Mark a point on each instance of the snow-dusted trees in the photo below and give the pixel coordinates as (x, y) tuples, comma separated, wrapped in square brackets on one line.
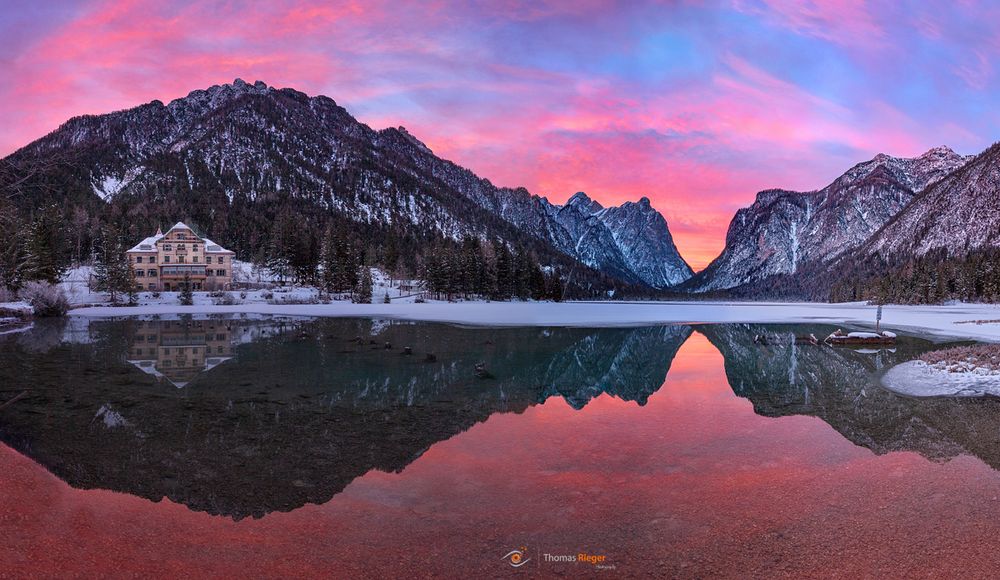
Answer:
[(12, 249), (340, 262), (484, 269), (112, 271), (932, 278), (44, 255), (363, 289)]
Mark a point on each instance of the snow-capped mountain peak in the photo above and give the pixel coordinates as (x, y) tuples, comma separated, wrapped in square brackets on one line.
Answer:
[(782, 231), (234, 148)]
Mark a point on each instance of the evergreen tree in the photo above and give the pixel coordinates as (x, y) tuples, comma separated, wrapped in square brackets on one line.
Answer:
[(132, 290), (329, 264), (112, 271), (505, 283), (13, 257), (186, 296), (363, 289), (44, 247)]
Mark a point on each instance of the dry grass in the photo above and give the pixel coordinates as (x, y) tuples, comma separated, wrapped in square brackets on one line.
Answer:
[(965, 358), (977, 322)]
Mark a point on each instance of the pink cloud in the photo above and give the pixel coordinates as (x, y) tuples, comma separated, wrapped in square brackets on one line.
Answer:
[(847, 22), (511, 91)]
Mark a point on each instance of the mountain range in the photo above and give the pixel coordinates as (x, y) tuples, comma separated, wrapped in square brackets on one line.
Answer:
[(233, 157), (785, 232)]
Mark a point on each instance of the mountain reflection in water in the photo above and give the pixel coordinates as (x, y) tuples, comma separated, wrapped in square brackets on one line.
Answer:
[(245, 417), (240, 417)]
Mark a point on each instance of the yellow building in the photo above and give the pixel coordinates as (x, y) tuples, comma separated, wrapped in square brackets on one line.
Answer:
[(161, 261)]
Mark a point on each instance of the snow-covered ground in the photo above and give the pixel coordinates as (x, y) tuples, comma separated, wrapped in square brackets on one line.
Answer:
[(958, 320), (76, 284), (918, 378), (955, 321)]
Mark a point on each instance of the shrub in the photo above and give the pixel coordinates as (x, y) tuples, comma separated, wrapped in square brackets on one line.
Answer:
[(267, 295), (46, 299), (225, 299), (386, 299), (243, 295), (419, 300), (155, 294)]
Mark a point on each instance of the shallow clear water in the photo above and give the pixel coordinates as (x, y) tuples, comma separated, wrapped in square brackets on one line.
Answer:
[(288, 446)]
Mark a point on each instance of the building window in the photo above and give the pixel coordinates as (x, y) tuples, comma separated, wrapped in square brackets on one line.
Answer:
[(166, 259), (220, 272), (194, 259), (152, 259), (138, 259), (151, 273), (168, 248), (140, 273), (180, 259), (181, 247), (152, 286), (222, 260)]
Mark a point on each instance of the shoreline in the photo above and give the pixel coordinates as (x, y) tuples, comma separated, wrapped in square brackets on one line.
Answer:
[(960, 321)]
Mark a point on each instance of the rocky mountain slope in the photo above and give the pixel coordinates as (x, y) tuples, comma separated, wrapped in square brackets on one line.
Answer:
[(784, 232), (232, 156), (961, 213)]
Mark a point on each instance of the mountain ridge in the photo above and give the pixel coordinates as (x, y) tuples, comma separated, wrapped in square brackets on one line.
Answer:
[(233, 148), (784, 232)]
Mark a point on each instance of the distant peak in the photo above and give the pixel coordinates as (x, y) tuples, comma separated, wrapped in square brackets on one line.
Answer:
[(644, 201), (218, 94), (578, 197), (940, 150)]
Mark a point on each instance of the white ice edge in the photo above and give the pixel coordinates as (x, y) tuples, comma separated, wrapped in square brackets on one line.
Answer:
[(934, 321), (916, 378)]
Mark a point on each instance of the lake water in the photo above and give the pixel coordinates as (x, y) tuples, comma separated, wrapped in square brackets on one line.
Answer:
[(290, 447)]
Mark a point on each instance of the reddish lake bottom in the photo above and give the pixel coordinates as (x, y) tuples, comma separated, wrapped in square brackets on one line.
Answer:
[(694, 483)]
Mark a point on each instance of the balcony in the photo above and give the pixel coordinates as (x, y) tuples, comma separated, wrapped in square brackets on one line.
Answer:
[(178, 271)]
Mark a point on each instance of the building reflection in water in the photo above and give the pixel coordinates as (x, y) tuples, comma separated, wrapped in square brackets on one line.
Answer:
[(178, 350)]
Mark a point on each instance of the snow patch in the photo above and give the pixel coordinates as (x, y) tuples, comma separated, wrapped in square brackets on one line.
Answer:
[(920, 379)]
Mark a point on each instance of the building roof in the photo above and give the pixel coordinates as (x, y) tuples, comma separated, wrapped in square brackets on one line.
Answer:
[(213, 248), (149, 244)]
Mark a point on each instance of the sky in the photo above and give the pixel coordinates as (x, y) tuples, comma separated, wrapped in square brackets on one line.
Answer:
[(696, 105)]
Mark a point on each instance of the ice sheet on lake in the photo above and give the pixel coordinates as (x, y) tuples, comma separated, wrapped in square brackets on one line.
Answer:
[(918, 379)]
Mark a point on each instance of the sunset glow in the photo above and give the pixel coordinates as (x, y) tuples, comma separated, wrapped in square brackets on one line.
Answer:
[(695, 105)]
